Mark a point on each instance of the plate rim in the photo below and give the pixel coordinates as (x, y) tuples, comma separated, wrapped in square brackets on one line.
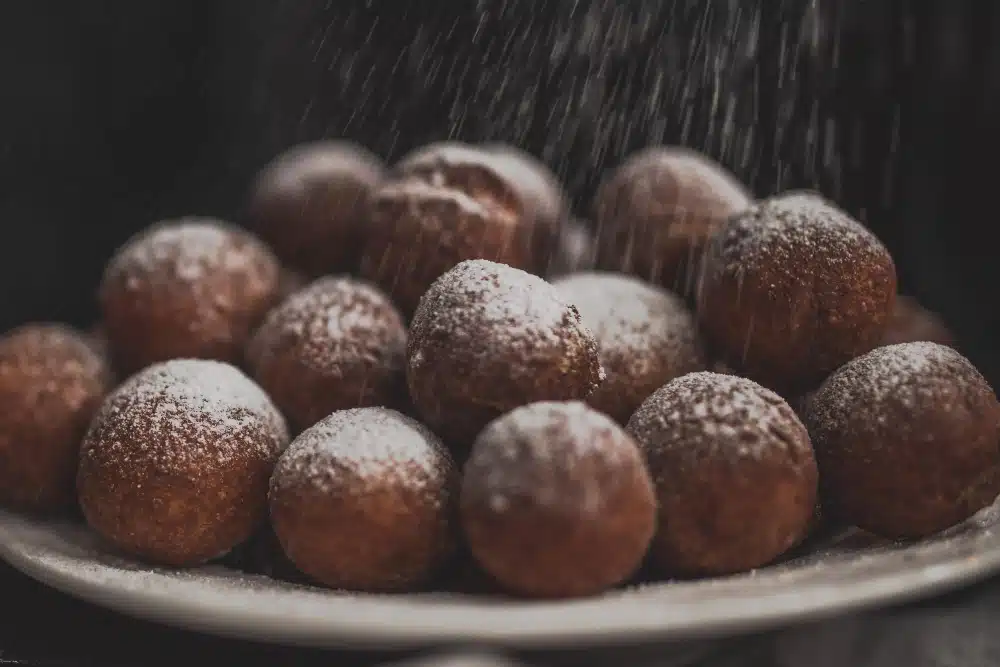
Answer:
[(392, 621)]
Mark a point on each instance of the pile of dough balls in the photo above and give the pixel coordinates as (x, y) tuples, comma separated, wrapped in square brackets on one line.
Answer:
[(390, 375)]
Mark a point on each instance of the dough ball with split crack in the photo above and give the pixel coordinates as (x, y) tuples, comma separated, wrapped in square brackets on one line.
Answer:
[(447, 204)]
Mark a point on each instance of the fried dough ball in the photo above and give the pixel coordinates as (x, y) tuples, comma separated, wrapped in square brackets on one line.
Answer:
[(906, 437), (52, 381), (193, 288), (735, 474), (912, 323), (311, 205), (175, 467), (363, 501), (338, 343), (656, 212), (446, 205), (538, 186), (488, 338), (645, 334), (793, 288), (556, 501)]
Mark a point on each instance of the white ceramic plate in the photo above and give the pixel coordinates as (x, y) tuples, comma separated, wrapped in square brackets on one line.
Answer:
[(849, 571)]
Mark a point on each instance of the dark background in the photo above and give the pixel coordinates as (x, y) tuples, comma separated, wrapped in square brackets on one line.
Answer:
[(116, 113)]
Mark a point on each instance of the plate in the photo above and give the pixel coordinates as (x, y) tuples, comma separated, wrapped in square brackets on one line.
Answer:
[(843, 572)]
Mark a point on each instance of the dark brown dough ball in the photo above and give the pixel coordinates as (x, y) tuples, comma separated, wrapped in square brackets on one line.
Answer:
[(906, 437), (363, 501), (792, 288), (488, 338), (657, 211), (52, 381), (645, 334), (445, 206), (911, 323), (311, 205), (175, 467), (574, 251), (734, 470), (193, 288), (538, 189), (542, 196), (336, 344), (556, 501)]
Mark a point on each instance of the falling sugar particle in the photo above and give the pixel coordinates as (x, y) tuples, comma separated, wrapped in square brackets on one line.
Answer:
[(582, 84)]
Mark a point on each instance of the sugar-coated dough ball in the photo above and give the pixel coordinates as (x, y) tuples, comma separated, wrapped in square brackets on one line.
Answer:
[(488, 338), (656, 212), (646, 336), (556, 501), (193, 288), (735, 474), (446, 204), (338, 343), (907, 440), (311, 205), (792, 288), (363, 501), (52, 381), (175, 467)]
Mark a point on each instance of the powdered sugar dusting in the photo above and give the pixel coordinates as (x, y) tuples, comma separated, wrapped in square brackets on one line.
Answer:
[(636, 325), (45, 359), (792, 233), (491, 171), (188, 250), (481, 183), (909, 375), (354, 449), (333, 321), (842, 570), (559, 454), (186, 415), (497, 307), (710, 414)]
